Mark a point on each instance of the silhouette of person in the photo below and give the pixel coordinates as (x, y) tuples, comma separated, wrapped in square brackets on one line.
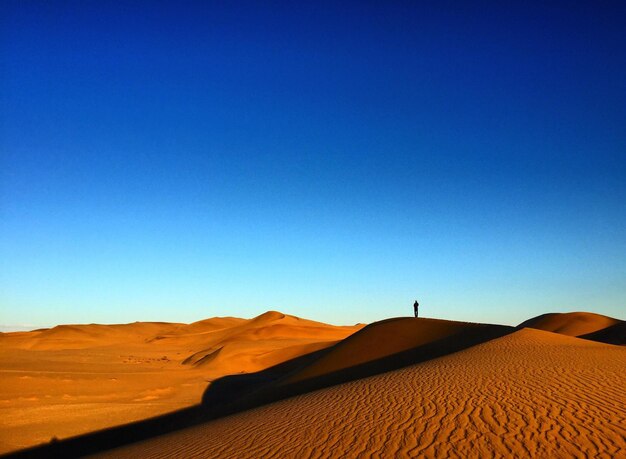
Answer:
[(416, 306)]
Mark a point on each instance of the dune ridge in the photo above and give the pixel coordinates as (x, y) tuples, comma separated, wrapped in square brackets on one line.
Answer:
[(72, 379), (398, 387), (382, 339), (571, 323), (530, 393)]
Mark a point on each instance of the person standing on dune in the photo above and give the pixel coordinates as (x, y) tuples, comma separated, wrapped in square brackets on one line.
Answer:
[(416, 306)]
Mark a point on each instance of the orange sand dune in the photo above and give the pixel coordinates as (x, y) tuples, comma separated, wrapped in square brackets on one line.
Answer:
[(82, 336), (266, 340), (396, 388), (530, 393), (615, 334), (73, 379), (209, 325), (571, 323), (383, 339)]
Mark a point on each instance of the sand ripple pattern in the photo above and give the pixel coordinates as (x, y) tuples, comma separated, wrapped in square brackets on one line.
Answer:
[(528, 394)]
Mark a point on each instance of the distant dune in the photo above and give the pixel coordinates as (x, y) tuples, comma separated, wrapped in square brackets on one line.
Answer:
[(73, 379), (281, 386), (573, 324)]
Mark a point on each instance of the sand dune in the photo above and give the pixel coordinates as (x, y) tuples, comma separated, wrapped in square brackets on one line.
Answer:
[(209, 325), (266, 340), (571, 323), (83, 336), (615, 334), (73, 379), (530, 393), (383, 339), (402, 387)]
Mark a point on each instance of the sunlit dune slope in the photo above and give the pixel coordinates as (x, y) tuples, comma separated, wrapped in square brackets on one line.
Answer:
[(266, 340), (64, 337), (73, 379), (210, 325), (571, 323), (530, 393), (386, 338)]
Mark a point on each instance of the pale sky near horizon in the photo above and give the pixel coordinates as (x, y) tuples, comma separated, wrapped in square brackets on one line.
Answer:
[(173, 162)]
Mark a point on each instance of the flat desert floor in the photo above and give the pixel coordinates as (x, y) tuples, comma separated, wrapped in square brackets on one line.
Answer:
[(551, 387)]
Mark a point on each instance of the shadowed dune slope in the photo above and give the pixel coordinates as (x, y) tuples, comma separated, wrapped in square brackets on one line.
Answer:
[(530, 393), (382, 339), (380, 347), (615, 334), (570, 323)]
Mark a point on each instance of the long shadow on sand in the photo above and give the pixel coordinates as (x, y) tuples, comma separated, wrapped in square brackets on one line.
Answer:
[(233, 394)]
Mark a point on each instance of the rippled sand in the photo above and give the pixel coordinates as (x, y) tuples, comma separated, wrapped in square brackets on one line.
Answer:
[(530, 393), (74, 379)]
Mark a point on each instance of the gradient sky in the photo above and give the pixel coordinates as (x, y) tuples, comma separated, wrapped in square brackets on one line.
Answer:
[(177, 161)]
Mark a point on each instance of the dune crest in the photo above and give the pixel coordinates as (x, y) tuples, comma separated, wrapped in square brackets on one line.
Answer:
[(283, 386), (614, 334), (530, 393), (382, 339), (573, 324), (72, 379)]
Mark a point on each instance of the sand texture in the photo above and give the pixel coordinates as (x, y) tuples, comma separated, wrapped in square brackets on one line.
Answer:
[(530, 393), (73, 379), (280, 386)]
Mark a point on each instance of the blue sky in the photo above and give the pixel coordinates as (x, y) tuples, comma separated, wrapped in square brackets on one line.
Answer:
[(177, 161)]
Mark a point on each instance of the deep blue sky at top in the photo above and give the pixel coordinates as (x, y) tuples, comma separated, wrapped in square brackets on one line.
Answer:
[(180, 160)]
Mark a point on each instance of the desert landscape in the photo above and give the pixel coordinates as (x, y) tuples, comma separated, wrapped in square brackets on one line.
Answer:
[(312, 229), (73, 379), (281, 386)]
